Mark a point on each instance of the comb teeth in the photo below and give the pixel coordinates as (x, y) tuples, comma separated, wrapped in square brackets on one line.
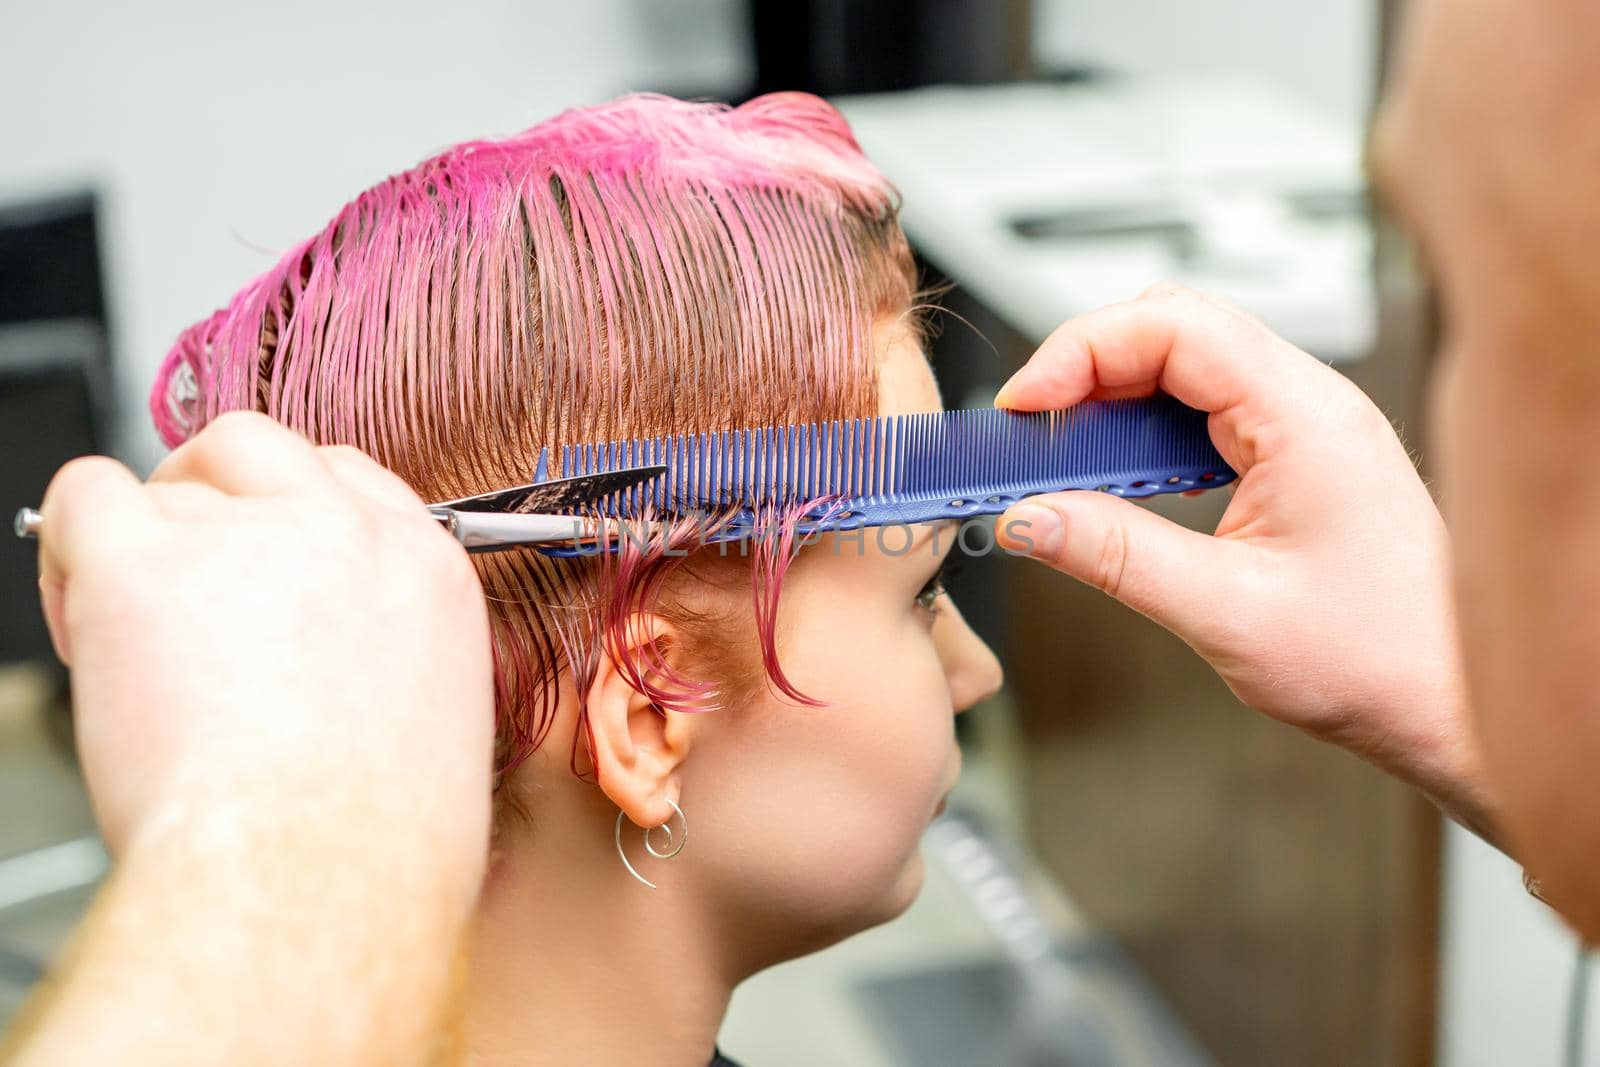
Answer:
[(918, 468)]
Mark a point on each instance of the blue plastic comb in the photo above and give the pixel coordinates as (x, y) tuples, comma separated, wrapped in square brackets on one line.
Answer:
[(903, 469), (910, 468)]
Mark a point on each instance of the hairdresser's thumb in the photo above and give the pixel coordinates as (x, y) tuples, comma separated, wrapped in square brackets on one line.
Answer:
[(1158, 568)]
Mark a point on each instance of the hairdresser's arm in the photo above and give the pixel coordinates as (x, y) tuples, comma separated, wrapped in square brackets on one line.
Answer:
[(281, 676), (1323, 598)]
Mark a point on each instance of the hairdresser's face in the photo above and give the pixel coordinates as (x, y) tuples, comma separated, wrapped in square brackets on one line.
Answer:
[(807, 820), (1486, 146)]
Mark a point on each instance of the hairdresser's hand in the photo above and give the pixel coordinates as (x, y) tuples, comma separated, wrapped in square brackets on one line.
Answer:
[(271, 632), (283, 700), (1323, 598)]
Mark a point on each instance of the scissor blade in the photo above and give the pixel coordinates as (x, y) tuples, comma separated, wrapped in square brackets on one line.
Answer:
[(562, 494)]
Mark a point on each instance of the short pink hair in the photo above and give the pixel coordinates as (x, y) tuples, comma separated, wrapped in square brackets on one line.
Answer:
[(644, 267)]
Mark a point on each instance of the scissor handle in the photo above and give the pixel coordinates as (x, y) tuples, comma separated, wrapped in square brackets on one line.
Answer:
[(28, 524), (488, 531)]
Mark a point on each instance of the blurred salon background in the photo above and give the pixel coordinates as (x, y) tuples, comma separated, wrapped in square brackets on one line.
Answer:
[(1136, 869)]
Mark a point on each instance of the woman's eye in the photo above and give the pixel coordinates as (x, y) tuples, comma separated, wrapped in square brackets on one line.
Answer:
[(938, 585)]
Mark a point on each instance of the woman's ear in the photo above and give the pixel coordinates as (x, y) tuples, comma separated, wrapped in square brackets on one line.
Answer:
[(637, 748)]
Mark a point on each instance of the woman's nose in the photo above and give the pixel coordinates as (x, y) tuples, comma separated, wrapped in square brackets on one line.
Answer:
[(969, 664)]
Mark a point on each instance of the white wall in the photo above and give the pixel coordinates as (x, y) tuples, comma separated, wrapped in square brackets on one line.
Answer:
[(222, 133), (1320, 48)]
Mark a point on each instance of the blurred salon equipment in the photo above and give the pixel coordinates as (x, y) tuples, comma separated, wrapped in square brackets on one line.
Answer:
[(55, 378), (1045, 200), (56, 402), (831, 47), (1054, 999)]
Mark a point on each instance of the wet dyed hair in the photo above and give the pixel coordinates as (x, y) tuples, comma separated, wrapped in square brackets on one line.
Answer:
[(644, 267)]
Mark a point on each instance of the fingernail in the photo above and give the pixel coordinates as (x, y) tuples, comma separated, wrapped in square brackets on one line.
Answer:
[(1033, 530), (1003, 398)]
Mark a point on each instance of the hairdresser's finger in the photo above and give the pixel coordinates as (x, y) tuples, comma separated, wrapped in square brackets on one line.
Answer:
[(245, 453), (52, 603), (90, 506), (1167, 572), (1201, 350), (356, 470)]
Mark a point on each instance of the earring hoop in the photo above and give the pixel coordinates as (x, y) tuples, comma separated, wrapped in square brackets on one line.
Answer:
[(667, 827), (677, 842)]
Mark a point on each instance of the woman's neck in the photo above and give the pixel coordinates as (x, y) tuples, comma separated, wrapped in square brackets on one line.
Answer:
[(572, 961)]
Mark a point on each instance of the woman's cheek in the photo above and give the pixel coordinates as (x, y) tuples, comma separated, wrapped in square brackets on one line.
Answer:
[(916, 725), (858, 778)]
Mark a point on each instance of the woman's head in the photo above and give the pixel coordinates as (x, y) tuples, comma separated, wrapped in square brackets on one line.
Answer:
[(640, 268)]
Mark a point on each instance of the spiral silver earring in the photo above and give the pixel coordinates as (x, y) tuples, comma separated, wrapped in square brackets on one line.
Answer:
[(676, 841)]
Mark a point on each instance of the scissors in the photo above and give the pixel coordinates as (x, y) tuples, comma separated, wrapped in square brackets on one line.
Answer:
[(504, 518)]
